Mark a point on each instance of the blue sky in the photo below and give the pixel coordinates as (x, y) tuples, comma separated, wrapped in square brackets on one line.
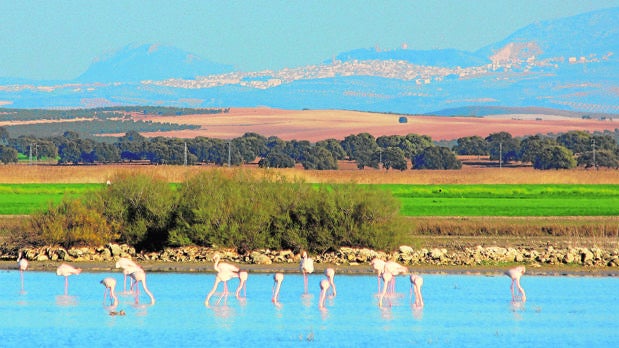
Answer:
[(59, 39)]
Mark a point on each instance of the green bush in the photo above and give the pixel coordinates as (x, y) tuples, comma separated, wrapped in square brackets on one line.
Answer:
[(238, 211)]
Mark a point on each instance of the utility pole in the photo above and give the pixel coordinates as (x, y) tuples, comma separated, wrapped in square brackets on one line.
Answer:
[(500, 155), (185, 159)]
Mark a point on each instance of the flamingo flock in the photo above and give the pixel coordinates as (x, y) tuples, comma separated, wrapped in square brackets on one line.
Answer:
[(386, 271)]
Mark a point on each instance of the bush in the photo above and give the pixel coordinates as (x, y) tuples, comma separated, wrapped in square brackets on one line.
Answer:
[(71, 223), (240, 211)]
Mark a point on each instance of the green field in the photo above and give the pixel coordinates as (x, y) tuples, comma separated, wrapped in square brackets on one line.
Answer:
[(507, 200), (23, 199), (417, 200)]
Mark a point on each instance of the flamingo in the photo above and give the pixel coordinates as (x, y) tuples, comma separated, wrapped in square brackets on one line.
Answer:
[(110, 285), (138, 276), (225, 272), (395, 269), (243, 275), (278, 278), (416, 284), (515, 274), (379, 266), (324, 286), (387, 278), (330, 274), (22, 265), (306, 266), (128, 267), (65, 271)]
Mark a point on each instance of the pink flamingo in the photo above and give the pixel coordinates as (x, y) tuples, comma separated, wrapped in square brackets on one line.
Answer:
[(128, 267), (110, 285), (65, 271), (22, 265), (324, 286), (225, 272), (416, 284), (387, 278), (306, 266), (330, 274), (278, 278), (139, 276), (395, 269), (515, 274), (243, 275), (379, 266)]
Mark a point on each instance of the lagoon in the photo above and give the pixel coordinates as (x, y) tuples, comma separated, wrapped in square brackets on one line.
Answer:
[(460, 311)]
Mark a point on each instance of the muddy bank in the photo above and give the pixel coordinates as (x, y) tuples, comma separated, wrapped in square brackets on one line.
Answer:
[(474, 260)]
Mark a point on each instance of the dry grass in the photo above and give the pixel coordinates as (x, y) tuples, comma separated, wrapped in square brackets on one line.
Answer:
[(468, 175)]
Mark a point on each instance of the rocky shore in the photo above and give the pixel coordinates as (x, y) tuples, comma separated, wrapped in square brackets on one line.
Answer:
[(348, 260)]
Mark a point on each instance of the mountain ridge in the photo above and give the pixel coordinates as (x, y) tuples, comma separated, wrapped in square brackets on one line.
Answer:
[(569, 63)]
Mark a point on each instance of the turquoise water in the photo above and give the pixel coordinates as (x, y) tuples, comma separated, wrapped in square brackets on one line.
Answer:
[(460, 311)]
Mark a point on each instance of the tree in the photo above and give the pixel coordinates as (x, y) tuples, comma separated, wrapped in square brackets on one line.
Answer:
[(603, 158), (502, 144), (333, 146), (473, 145), (436, 157), (554, 157), (576, 141), (532, 146), (361, 148), (393, 157), (8, 154), (319, 158), (276, 158)]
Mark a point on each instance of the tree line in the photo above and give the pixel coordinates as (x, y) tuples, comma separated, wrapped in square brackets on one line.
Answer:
[(397, 152)]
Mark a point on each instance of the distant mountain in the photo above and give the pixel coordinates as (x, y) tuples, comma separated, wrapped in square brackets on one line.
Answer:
[(149, 62), (593, 33), (569, 63)]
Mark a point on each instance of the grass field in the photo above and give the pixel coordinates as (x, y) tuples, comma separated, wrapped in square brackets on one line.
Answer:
[(417, 200), (24, 199), (507, 200)]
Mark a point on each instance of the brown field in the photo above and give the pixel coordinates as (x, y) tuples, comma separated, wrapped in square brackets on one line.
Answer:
[(315, 125), (22, 173)]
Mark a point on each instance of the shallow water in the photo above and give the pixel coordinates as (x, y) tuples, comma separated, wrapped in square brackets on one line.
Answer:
[(460, 310)]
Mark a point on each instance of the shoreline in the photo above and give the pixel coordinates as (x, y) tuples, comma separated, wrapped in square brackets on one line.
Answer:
[(348, 269)]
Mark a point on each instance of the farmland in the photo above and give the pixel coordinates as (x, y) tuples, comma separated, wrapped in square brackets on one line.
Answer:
[(588, 199)]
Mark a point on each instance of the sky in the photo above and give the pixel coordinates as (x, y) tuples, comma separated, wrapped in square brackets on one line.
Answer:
[(55, 40)]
